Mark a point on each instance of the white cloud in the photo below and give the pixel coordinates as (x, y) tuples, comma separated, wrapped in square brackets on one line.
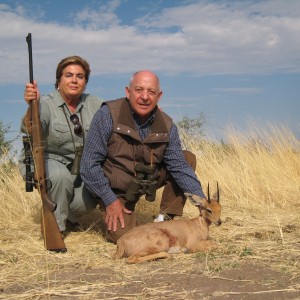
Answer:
[(232, 37), (103, 18)]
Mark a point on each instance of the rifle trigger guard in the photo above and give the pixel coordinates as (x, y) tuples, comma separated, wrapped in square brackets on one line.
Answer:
[(48, 184)]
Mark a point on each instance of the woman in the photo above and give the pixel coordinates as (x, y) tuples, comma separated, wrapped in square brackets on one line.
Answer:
[(65, 115)]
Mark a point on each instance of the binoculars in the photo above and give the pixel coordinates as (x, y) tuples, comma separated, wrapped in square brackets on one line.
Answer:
[(75, 170), (143, 183)]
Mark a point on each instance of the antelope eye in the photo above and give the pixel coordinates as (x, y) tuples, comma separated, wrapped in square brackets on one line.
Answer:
[(209, 211)]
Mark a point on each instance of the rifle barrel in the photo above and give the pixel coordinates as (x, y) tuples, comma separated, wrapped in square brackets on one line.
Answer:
[(29, 42)]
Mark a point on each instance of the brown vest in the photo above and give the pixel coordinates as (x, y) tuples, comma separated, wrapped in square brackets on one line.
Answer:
[(125, 146)]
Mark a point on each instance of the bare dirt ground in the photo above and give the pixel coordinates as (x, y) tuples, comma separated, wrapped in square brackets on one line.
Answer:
[(249, 281), (160, 280)]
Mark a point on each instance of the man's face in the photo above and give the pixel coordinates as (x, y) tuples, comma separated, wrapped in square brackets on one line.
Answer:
[(143, 93)]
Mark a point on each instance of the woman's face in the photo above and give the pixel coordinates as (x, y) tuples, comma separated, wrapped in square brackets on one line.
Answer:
[(72, 82)]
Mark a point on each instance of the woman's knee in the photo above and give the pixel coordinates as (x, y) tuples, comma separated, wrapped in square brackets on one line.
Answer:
[(82, 201), (59, 174)]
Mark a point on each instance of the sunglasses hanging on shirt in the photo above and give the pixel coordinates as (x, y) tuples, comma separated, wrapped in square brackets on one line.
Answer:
[(77, 126)]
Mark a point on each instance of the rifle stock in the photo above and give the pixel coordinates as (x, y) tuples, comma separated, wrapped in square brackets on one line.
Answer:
[(53, 240)]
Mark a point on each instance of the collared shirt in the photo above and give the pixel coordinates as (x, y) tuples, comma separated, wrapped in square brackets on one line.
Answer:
[(143, 128), (95, 152), (59, 139)]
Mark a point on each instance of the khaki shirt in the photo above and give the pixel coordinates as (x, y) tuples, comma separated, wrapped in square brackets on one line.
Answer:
[(59, 138)]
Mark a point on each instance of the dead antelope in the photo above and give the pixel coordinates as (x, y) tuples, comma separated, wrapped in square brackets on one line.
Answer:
[(160, 239)]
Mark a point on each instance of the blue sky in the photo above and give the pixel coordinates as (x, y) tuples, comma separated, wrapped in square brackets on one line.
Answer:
[(238, 62)]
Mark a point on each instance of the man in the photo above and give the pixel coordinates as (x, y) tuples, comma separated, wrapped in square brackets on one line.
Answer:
[(133, 148)]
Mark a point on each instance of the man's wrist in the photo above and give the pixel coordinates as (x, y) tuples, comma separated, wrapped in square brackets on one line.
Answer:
[(109, 199)]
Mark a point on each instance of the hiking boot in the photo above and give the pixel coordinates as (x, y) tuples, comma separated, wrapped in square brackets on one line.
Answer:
[(64, 234), (73, 227)]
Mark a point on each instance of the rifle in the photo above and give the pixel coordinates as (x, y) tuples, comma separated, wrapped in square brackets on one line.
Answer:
[(53, 240)]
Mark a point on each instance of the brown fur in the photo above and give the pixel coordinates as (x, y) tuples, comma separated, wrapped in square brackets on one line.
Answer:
[(159, 240)]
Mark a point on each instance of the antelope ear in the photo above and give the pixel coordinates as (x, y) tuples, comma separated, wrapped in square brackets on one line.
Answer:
[(196, 200)]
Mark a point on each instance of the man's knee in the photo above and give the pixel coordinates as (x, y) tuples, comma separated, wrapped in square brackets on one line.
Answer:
[(190, 158), (130, 222)]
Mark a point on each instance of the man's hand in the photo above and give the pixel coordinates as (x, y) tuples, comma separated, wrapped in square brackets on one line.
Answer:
[(114, 212)]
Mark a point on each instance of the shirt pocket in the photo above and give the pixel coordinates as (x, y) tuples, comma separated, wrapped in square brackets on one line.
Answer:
[(60, 134)]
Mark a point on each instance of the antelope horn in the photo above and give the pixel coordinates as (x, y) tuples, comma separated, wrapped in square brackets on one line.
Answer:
[(208, 195), (218, 192)]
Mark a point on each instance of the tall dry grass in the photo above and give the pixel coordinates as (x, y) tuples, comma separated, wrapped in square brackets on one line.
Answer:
[(259, 176)]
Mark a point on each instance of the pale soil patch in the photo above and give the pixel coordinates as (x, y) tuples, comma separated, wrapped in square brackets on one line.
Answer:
[(160, 280)]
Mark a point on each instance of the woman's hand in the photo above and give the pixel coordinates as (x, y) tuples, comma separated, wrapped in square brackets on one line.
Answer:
[(31, 92)]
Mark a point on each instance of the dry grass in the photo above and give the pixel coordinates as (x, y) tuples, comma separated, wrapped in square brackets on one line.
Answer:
[(259, 176)]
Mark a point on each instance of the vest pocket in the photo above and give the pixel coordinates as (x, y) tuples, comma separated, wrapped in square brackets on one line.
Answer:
[(118, 178)]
